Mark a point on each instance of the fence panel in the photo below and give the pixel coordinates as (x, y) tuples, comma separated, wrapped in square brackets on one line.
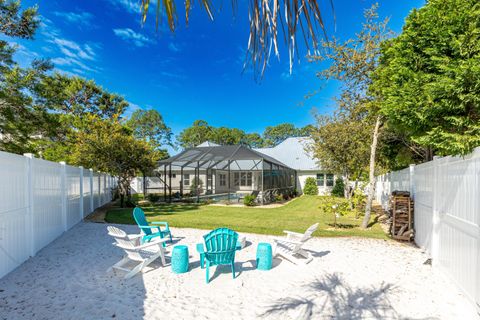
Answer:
[(73, 195), (459, 230), (47, 202), (40, 200), (86, 193), (447, 215), (423, 212), (14, 213)]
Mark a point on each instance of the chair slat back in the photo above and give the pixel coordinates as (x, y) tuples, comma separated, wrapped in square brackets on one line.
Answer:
[(139, 217), (308, 234), (123, 242), (220, 245)]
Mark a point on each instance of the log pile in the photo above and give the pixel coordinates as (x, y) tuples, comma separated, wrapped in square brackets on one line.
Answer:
[(402, 216)]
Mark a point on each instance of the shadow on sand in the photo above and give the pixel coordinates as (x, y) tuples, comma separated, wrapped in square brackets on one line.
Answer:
[(332, 297)]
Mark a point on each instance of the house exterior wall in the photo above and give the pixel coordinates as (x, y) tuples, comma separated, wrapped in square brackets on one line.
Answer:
[(155, 184), (302, 177)]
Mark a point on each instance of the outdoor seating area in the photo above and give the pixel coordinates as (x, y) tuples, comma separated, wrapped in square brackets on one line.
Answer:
[(388, 280)]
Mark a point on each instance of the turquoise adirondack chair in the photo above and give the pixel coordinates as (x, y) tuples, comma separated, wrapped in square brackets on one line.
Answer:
[(220, 248), (153, 229)]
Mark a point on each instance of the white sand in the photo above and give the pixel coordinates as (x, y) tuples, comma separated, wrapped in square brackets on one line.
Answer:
[(349, 278)]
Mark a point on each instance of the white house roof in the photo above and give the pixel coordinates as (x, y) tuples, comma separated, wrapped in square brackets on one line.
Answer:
[(208, 144), (292, 153)]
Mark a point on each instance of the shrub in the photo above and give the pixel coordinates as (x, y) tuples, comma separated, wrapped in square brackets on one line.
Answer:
[(278, 198), (153, 197), (196, 187), (335, 207), (310, 187), (249, 200), (358, 200), (339, 188)]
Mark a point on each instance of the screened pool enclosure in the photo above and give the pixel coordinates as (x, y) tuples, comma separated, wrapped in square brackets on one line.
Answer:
[(221, 173)]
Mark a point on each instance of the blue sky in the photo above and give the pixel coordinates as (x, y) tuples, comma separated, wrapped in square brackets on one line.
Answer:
[(195, 73)]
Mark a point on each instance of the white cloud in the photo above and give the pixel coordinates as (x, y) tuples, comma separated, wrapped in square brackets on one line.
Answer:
[(132, 6), (74, 50), (136, 38), (173, 47), (72, 62), (83, 18)]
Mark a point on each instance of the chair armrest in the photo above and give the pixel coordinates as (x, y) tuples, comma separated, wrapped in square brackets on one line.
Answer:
[(134, 236), (287, 241), (152, 243), (161, 223), (200, 248), (293, 233), (149, 227)]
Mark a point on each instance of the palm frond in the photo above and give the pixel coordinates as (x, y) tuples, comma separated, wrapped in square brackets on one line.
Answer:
[(266, 16)]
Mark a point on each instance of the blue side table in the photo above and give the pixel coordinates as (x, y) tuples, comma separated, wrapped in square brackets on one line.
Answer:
[(264, 256), (180, 259)]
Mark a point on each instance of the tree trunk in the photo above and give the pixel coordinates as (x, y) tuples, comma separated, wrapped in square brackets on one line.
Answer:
[(346, 190), (371, 183)]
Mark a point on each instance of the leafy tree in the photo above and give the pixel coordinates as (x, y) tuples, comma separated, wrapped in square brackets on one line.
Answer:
[(339, 188), (429, 77), (310, 187), (17, 23), (253, 140), (199, 132), (149, 125), (227, 136), (109, 146), (341, 143), (273, 135), (69, 100), (353, 63), (23, 122), (78, 96)]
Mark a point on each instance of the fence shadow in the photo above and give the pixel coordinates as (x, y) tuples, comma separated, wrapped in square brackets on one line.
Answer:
[(333, 297)]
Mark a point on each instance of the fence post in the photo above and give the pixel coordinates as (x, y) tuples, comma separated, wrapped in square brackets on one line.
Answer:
[(91, 190), (436, 214), (30, 208), (63, 193), (412, 181), (81, 193)]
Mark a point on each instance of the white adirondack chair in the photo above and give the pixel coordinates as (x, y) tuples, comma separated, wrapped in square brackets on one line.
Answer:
[(290, 247), (142, 254)]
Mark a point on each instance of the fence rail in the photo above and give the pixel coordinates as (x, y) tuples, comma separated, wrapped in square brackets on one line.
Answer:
[(447, 214), (39, 200)]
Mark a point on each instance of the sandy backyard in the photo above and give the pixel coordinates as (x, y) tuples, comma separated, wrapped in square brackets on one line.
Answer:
[(349, 278)]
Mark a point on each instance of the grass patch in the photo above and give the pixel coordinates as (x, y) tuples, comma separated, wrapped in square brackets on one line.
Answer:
[(295, 216)]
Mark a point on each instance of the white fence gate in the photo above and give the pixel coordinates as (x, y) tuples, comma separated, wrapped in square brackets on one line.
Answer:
[(39, 200), (447, 214)]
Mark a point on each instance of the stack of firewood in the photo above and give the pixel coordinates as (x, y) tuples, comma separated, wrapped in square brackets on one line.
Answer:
[(402, 215)]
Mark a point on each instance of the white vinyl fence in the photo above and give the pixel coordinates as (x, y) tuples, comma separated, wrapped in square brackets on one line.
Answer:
[(39, 200), (447, 214)]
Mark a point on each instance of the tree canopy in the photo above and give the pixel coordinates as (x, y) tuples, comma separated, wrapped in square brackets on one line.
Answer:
[(201, 131), (429, 77)]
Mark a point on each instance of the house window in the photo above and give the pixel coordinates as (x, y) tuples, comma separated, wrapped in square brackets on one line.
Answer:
[(222, 179), (330, 181), (186, 179), (242, 178), (320, 179)]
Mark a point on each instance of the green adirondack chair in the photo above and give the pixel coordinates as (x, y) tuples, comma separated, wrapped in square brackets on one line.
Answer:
[(151, 230), (220, 248)]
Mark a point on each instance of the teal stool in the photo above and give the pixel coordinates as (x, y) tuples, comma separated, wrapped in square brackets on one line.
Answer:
[(264, 256), (180, 259)]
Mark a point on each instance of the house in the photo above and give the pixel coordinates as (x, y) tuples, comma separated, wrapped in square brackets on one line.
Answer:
[(294, 153), (212, 171)]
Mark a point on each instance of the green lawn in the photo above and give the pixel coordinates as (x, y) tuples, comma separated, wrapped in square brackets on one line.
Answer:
[(295, 216)]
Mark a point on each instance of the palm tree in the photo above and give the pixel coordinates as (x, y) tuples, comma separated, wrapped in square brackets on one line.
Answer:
[(266, 18)]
